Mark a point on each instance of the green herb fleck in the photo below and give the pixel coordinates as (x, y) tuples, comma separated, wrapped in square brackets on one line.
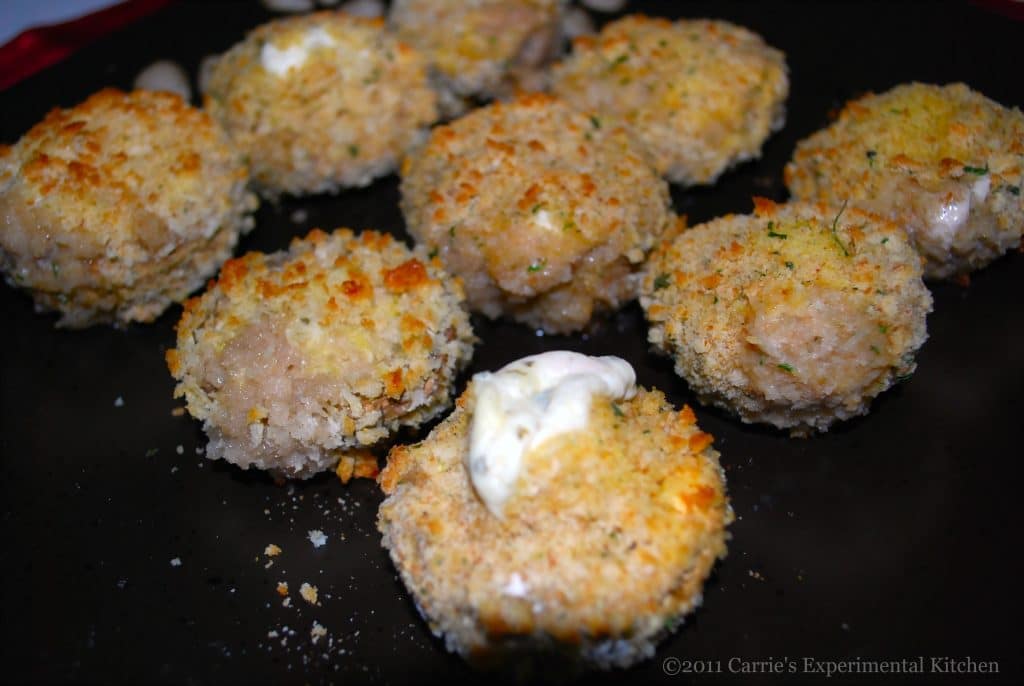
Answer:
[(451, 230), (1012, 190), (871, 157), (536, 208), (432, 254), (536, 266), (618, 410), (875, 350), (152, 451), (353, 150), (903, 378), (885, 240), (883, 328), (786, 367), (835, 224), (595, 121), (789, 266), (617, 61), (662, 281), (304, 320), (772, 233), (979, 171)]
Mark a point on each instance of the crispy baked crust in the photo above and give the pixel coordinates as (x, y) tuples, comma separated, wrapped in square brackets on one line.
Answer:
[(795, 316), (481, 48), (923, 155), (545, 212), (602, 550), (295, 359), (115, 208), (342, 118), (702, 94)]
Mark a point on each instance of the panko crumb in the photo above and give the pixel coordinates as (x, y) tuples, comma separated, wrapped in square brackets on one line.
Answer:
[(317, 538), (118, 401), (796, 316), (360, 464), (349, 102), (176, 562), (547, 213), (300, 358), (602, 555), (702, 94), (317, 632), (272, 550), (282, 588), (309, 593), (943, 162), (115, 208)]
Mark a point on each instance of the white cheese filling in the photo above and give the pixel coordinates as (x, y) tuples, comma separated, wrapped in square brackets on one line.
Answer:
[(279, 61), (529, 401)]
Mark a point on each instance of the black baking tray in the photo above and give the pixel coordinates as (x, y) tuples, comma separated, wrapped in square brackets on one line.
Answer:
[(890, 538)]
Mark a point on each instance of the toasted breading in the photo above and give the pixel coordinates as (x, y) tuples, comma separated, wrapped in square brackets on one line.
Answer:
[(795, 316), (296, 360), (545, 212), (702, 94), (343, 115), (944, 162), (602, 550), (115, 208), (481, 48)]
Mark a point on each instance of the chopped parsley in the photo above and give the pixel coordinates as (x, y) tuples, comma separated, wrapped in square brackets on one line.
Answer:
[(786, 367), (536, 208), (835, 224), (789, 265), (662, 281), (617, 410), (451, 230), (871, 157), (617, 61), (772, 233), (978, 171), (875, 350), (353, 150), (595, 121), (536, 266), (1012, 190), (432, 254), (883, 328), (885, 240)]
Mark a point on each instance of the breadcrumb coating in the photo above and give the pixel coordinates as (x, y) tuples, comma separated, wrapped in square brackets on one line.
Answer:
[(796, 316), (481, 48), (944, 162), (115, 208), (702, 94), (602, 550), (297, 360), (546, 213), (349, 101)]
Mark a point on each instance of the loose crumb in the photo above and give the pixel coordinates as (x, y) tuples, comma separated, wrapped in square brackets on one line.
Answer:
[(176, 562), (317, 538), (180, 449), (309, 593), (282, 588), (272, 550), (178, 412), (317, 632), (119, 402)]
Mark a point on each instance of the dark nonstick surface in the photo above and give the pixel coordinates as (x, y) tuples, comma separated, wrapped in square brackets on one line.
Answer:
[(891, 537)]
